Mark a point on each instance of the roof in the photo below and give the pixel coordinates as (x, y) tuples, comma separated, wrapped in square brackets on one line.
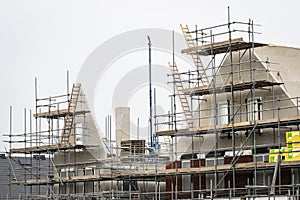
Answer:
[(17, 164)]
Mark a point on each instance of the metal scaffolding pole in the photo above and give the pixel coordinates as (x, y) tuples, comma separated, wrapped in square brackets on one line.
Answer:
[(150, 91)]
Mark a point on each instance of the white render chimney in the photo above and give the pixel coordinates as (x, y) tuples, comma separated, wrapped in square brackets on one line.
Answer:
[(122, 125)]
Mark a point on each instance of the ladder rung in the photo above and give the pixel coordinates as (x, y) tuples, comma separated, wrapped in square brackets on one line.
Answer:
[(186, 110)]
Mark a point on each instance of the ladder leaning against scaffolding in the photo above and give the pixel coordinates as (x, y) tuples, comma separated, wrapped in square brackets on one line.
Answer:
[(195, 56), (202, 76), (182, 97), (69, 119)]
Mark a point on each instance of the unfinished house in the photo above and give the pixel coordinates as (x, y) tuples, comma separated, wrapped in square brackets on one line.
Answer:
[(245, 107), (235, 136)]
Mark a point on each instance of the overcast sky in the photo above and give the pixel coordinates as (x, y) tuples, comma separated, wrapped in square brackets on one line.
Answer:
[(44, 39)]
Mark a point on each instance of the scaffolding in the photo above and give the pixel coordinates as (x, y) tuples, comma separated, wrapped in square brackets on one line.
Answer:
[(63, 159), (234, 111), (241, 102)]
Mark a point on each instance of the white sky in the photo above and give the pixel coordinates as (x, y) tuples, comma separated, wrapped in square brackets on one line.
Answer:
[(44, 39)]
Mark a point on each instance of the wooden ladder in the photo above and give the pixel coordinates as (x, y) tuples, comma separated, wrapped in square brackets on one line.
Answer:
[(69, 119), (182, 97), (196, 57)]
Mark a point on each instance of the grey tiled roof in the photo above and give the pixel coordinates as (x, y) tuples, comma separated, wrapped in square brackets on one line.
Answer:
[(19, 164)]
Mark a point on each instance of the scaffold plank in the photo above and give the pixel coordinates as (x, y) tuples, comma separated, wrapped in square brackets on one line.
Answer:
[(222, 47), (238, 126), (46, 148), (237, 86), (166, 172), (58, 113)]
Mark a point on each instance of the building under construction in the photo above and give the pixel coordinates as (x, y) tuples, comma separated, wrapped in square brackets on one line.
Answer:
[(241, 138)]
